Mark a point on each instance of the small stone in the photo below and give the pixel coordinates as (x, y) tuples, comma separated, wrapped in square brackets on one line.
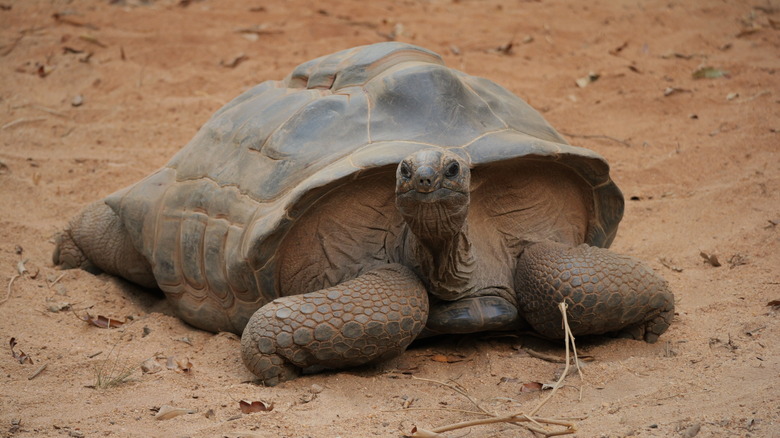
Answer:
[(692, 430), (151, 366), (78, 100)]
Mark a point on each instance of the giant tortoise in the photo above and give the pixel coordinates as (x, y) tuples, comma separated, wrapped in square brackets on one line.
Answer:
[(371, 197)]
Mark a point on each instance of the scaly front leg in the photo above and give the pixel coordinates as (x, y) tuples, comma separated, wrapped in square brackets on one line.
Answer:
[(606, 292), (372, 317)]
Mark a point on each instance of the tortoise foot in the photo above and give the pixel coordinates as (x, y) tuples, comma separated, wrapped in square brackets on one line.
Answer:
[(372, 317), (650, 330), (606, 292), (95, 240)]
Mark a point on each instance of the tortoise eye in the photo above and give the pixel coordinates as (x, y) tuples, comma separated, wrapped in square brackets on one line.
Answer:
[(452, 170), (405, 171)]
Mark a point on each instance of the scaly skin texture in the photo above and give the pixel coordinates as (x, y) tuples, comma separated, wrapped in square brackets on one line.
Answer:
[(95, 239), (372, 317), (606, 292)]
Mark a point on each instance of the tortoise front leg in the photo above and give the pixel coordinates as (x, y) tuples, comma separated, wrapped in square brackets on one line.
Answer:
[(606, 292), (96, 240), (369, 318)]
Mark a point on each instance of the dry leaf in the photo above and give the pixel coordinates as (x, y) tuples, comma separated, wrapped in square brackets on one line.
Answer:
[(233, 63), (618, 49), (63, 17), (737, 260), (446, 359), (167, 412), (749, 30), (56, 307), (178, 365), (101, 321), (248, 407), (259, 29), (709, 73), (92, 40), (506, 49), (531, 387), (151, 366), (676, 55), (184, 365), (22, 357), (670, 264), (712, 259), (674, 90)]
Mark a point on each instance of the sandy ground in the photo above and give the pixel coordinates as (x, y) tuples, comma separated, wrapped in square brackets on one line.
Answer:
[(94, 95)]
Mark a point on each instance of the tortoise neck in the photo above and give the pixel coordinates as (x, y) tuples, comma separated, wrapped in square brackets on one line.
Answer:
[(446, 261)]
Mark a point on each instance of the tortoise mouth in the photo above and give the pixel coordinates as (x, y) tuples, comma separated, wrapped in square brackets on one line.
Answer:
[(442, 194), (441, 212)]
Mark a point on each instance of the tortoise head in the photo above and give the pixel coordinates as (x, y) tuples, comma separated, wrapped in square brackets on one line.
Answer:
[(432, 192)]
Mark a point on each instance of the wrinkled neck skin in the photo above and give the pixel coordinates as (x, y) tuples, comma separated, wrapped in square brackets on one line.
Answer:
[(439, 243)]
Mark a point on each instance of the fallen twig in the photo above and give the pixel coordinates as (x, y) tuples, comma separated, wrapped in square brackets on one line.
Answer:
[(50, 110), (21, 121), (38, 371), (8, 294), (459, 390), (536, 424), (55, 281)]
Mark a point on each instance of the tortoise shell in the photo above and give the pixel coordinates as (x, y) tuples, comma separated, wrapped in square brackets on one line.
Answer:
[(214, 220)]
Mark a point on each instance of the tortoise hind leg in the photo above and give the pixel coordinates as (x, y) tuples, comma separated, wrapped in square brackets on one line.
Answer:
[(606, 292), (95, 240), (369, 318)]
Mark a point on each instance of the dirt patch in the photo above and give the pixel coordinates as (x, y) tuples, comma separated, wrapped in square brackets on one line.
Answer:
[(96, 94)]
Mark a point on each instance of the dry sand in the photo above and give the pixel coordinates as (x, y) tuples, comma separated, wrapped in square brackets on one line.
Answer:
[(698, 161)]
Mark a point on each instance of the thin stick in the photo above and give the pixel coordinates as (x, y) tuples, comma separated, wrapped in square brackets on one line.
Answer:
[(507, 419), (50, 110), (8, 294), (544, 356), (459, 391), (22, 120), (568, 336), (56, 280), (519, 417), (460, 411), (38, 371)]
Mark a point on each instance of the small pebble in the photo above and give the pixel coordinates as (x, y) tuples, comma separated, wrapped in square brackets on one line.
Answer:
[(692, 430)]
